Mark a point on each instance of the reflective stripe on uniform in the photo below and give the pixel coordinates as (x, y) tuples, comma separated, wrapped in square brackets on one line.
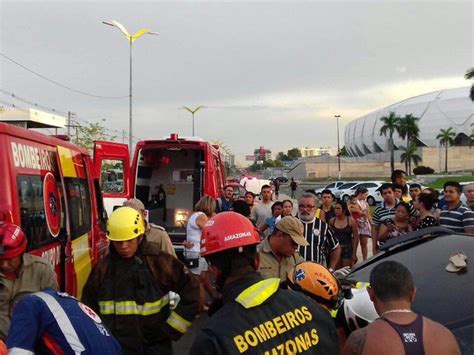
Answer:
[(258, 293), (63, 322), (131, 307), (19, 351), (178, 322)]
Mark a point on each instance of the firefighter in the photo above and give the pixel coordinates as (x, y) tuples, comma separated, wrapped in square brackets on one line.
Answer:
[(57, 323), (20, 273), (256, 316), (129, 289), (153, 232)]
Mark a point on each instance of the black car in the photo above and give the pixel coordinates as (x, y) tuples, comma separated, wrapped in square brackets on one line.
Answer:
[(281, 179), (447, 298)]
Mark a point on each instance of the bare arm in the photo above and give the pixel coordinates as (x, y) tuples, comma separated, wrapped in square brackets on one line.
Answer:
[(383, 233), (322, 215), (469, 231), (335, 256), (355, 343), (201, 220), (375, 233), (355, 238)]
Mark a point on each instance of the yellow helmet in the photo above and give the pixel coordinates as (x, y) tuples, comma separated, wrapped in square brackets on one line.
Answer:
[(317, 282), (125, 223)]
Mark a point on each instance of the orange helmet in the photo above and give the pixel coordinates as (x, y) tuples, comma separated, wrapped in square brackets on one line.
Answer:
[(12, 241), (227, 230), (317, 282)]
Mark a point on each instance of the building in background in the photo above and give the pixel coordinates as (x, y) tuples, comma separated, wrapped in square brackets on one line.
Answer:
[(262, 154), (314, 152)]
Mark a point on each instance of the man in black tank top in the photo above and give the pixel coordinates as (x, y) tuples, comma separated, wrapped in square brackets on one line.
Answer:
[(398, 330)]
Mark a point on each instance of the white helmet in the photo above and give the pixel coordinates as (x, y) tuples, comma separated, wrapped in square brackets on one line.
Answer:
[(359, 311)]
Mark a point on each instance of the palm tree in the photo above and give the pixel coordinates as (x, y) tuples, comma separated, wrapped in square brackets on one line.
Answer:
[(409, 155), (471, 139), (470, 75), (446, 138), (390, 124), (408, 128)]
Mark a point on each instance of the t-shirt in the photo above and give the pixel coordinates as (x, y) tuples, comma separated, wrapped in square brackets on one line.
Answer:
[(261, 212), (271, 222), (383, 213), (428, 221), (458, 219), (321, 241)]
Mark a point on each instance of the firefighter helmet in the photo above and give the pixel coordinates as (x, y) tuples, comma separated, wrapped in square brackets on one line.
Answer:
[(12, 241), (317, 282), (125, 223), (227, 230)]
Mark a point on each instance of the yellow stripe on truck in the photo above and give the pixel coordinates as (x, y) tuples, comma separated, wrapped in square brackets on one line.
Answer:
[(67, 164), (82, 261)]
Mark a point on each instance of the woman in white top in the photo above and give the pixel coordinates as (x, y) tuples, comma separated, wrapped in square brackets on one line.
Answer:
[(203, 210), (364, 221)]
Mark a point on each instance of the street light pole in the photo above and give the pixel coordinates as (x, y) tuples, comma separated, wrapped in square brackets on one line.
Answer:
[(193, 112), (338, 149), (130, 39)]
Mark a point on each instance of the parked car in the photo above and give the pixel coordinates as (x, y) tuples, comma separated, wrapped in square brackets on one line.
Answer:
[(442, 296), (338, 191), (374, 196), (332, 186), (281, 179)]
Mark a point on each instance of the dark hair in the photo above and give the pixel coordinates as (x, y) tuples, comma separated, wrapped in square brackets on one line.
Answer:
[(361, 190), (276, 204), (385, 186), (283, 202), (405, 205), (327, 192), (427, 200), (344, 207), (454, 184), (250, 193), (266, 186), (241, 207), (231, 262), (397, 174), (433, 192), (226, 186), (391, 281), (415, 186)]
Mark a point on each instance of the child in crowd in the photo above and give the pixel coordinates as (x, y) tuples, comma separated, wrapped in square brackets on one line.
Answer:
[(270, 222)]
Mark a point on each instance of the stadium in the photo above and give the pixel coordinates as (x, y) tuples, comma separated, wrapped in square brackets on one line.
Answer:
[(436, 110)]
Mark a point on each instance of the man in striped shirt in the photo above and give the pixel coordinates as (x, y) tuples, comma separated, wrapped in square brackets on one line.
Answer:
[(454, 215), (321, 239), (385, 213)]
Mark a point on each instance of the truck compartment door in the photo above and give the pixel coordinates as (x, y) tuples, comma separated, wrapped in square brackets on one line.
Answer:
[(112, 168)]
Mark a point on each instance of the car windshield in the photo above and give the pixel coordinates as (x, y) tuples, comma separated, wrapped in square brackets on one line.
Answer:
[(347, 185)]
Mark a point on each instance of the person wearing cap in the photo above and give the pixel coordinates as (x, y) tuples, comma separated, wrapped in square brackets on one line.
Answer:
[(129, 289), (20, 273), (153, 233), (255, 315), (399, 330), (279, 251)]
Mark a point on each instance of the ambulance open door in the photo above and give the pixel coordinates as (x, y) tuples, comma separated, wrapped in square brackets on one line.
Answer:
[(112, 169)]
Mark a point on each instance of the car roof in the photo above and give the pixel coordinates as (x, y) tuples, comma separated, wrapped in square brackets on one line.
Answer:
[(442, 296)]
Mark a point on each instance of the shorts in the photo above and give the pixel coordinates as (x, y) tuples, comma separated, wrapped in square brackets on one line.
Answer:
[(202, 267), (346, 251)]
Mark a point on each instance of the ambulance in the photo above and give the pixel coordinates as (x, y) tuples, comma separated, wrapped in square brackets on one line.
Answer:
[(47, 187), (169, 176)]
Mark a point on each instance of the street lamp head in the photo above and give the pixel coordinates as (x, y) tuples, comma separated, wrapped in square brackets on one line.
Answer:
[(337, 116)]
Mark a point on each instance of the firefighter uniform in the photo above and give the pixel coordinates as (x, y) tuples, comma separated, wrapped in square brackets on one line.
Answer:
[(157, 234), (131, 297), (260, 318), (35, 275)]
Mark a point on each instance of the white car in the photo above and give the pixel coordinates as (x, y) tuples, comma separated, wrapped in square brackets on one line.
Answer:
[(374, 196), (332, 187), (337, 192)]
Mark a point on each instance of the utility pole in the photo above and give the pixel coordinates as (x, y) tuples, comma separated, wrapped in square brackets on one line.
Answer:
[(70, 116), (123, 136), (338, 150)]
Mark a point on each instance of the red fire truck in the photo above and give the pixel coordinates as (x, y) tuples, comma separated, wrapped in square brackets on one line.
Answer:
[(169, 176), (47, 188)]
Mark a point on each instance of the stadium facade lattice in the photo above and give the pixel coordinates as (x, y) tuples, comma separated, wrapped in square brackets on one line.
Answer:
[(436, 110)]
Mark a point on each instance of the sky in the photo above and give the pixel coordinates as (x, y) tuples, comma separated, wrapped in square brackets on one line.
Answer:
[(269, 74)]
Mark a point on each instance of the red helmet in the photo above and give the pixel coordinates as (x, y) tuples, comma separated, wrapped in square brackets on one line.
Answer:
[(12, 241), (227, 230)]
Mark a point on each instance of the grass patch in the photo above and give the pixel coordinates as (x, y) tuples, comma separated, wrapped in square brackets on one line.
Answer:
[(438, 184)]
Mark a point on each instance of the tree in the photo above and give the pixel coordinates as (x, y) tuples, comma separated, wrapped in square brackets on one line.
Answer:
[(408, 128), (91, 133), (446, 138), (470, 75), (471, 140), (282, 157), (343, 152), (409, 155), (390, 124), (294, 154)]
